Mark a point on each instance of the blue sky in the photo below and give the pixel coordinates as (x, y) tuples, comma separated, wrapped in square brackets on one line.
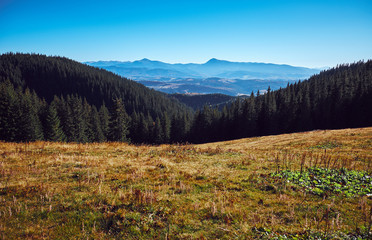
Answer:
[(301, 33)]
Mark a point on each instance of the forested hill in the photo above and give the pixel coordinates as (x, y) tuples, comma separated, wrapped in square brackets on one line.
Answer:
[(57, 99), (72, 90), (50, 76), (198, 101), (337, 98)]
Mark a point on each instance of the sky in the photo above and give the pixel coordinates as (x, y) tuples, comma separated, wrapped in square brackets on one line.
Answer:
[(301, 33)]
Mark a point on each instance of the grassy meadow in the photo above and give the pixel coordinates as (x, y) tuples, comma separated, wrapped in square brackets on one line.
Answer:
[(273, 187)]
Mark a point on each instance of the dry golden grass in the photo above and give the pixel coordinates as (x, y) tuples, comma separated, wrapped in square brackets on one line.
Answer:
[(215, 190)]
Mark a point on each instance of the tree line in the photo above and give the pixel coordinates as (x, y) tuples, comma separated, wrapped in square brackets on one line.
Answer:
[(89, 103), (337, 98), (26, 117), (57, 99)]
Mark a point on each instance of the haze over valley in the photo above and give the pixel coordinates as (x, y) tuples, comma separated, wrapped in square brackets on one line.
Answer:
[(214, 76)]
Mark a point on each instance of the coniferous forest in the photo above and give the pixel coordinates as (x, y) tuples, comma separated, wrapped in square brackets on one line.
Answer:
[(57, 99)]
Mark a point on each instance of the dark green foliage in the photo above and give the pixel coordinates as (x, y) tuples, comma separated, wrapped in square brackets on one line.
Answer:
[(64, 112), (336, 98), (77, 125), (158, 132), (58, 76), (30, 125), (205, 122), (53, 130), (119, 123), (77, 89), (200, 100), (104, 119), (96, 132), (9, 112), (179, 128), (166, 128), (134, 127), (19, 114)]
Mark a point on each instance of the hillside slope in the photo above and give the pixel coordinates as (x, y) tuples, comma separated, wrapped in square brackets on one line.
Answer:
[(334, 99), (198, 101), (221, 190), (82, 103), (58, 76)]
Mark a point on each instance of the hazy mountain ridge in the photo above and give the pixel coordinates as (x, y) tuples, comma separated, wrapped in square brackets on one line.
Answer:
[(214, 68), (231, 78)]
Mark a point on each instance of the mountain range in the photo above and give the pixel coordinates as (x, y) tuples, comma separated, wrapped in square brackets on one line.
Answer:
[(214, 76), (58, 99)]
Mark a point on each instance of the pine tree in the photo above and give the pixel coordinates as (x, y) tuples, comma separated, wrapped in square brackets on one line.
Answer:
[(95, 125), (150, 123), (119, 124), (158, 132), (141, 133), (104, 117), (197, 129), (65, 116), (53, 130), (78, 122), (178, 128), (166, 128), (9, 112), (90, 130), (252, 116), (134, 127), (30, 125)]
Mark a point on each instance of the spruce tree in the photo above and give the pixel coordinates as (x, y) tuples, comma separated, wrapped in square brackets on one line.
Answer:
[(119, 124), (166, 128), (53, 130), (143, 133), (95, 126), (104, 118), (30, 125), (78, 122), (158, 132), (9, 112), (134, 127)]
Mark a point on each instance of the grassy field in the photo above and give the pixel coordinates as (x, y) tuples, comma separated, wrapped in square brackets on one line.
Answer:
[(240, 189)]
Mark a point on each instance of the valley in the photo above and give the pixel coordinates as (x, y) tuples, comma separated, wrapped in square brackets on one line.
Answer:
[(214, 76)]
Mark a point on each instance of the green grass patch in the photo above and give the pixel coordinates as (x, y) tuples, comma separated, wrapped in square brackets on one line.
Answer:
[(321, 181), (265, 233), (327, 145)]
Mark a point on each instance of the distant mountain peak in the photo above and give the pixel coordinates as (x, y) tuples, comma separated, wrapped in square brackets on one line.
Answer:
[(216, 61), (213, 60), (145, 60)]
